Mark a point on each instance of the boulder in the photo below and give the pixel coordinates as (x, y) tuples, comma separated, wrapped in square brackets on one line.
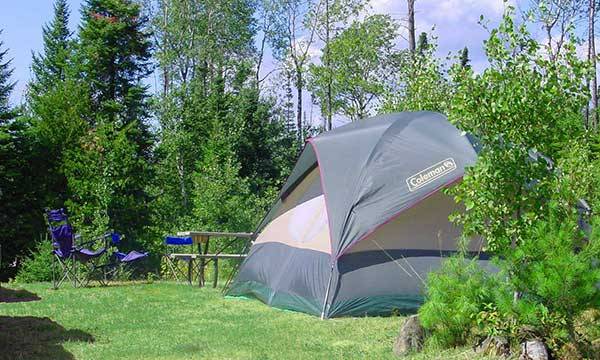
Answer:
[(494, 346), (533, 350), (411, 336)]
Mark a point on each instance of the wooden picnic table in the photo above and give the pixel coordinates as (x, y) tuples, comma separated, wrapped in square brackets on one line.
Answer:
[(203, 237)]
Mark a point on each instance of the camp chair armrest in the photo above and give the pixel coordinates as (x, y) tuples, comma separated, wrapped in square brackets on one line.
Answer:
[(94, 239)]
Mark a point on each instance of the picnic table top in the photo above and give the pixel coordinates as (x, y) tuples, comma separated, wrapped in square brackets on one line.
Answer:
[(215, 234), (208, 256)]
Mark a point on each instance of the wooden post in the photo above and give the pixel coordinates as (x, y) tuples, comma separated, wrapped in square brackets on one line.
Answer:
[(200, 266), (216, 265), (205, 240)]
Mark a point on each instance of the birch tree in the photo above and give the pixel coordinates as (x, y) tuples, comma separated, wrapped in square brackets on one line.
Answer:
[(294, 33), (360, 58)]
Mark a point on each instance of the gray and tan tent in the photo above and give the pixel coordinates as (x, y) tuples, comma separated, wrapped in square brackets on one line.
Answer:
[(361, 220)]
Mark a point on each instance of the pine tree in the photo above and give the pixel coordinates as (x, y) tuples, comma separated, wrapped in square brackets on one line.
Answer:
[(57, 104), (464, 58), (50, 67), (109, 174), (20, 218), (423, 43), (115, 52), (6, 87)]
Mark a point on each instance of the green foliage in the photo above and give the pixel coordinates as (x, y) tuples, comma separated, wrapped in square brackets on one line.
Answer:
[(456, 293), (463, 58), (108, 168), (104, 174), (6, 86), (222, 153), (38, 265), (558, 276), (357, 57), (419, 83), (113, 54), (51, 67), (557, 267), (20, 208), (56, 119), (422, 44), (57, 104), (521, 202), (507, 191)]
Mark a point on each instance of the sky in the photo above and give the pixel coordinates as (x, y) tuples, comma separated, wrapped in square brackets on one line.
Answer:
[(455, 23), (21, 23)]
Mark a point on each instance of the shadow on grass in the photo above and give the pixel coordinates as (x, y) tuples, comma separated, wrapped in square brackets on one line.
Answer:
[(12, 295), (112, 284), (29, 337)]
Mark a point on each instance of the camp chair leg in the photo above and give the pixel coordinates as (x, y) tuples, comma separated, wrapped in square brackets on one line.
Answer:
[(67, 272), (76, 272), (174, 269), (54, 280), (97, 272)]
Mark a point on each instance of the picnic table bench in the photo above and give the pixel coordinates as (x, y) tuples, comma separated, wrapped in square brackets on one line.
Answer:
[(202, 239)]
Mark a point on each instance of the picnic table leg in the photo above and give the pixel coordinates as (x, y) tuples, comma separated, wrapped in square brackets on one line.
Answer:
[(216, 279), (202, 260), (200, 266)]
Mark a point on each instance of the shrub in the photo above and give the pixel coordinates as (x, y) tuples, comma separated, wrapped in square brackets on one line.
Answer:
[(456, 294), (38, 265), (555, 269), (555, 272)]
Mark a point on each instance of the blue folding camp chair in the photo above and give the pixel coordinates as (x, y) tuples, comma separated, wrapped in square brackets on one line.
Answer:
[(68, 254), (70, 250), (122, 260), (172, 258)]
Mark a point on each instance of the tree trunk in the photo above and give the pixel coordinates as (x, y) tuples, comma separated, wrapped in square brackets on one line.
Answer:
[(592, 57), (259, 62), (328, 65), (549, 35), (166, 77), (299, 86), (411, 26), (182, 187)]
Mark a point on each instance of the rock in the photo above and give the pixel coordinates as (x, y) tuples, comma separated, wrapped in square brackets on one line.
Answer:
[(494, 346), (533, 350), (411, 336)]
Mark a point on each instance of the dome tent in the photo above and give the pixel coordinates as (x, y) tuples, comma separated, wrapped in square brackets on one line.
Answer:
[(361, 219)]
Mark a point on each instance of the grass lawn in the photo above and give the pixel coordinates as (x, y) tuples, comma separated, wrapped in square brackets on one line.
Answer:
[(176, 321)]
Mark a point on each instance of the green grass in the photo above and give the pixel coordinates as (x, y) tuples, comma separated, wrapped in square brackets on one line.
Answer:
[(176, 321)]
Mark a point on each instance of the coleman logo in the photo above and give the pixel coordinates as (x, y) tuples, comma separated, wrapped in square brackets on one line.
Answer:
[(430, 174)]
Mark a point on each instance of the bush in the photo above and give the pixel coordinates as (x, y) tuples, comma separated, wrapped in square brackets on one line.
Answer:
[(556, 271), (456, 294), (38, 265)]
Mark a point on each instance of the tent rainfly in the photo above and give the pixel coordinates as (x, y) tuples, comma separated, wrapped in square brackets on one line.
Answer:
[(361, 220)]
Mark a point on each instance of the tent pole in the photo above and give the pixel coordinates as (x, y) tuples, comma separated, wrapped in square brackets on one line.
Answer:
[(327, 293)]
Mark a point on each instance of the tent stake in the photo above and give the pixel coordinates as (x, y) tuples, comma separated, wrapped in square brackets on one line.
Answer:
[(327, 293)]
